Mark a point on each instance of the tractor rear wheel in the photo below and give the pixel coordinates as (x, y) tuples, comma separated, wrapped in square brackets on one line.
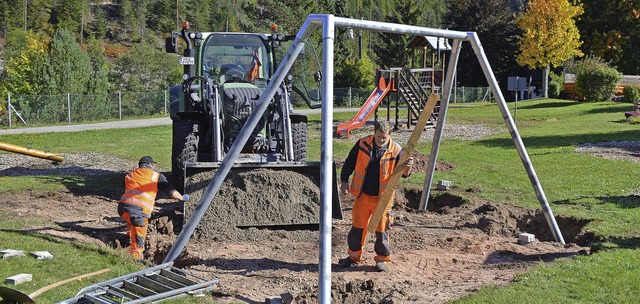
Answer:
[(184, 149)]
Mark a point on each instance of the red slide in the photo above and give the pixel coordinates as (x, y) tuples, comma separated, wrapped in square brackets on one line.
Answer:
[(365, 111)]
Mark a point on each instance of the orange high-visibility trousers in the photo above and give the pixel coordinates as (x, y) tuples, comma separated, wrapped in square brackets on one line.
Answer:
[(137, 234), (363, 208)]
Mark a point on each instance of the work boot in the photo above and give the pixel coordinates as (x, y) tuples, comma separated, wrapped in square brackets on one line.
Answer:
[(381, 266), (347, 262)]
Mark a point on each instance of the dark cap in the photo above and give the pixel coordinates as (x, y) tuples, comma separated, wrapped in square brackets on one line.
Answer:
[(146, 160)]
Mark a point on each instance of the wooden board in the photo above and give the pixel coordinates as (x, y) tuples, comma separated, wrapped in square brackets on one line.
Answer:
[(386, 199)]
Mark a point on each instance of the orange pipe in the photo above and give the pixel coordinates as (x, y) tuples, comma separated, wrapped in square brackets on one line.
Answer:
[(31, 152)]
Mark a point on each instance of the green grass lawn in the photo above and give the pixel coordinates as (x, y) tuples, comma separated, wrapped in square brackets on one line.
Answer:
[(576, 185)]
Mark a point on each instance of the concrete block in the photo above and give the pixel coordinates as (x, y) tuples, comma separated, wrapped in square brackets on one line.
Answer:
[(42, 255), (526, 238), (444, 185), (9, 253), (18, 279)]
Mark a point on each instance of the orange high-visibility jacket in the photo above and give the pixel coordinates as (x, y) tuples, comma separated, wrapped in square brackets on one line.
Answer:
[(141, 189), (388, 162)]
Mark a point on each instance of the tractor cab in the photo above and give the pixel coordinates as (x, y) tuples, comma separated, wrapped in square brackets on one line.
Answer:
[(233, 57)]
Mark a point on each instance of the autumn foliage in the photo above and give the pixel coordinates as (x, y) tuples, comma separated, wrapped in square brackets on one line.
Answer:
[(550, 35)]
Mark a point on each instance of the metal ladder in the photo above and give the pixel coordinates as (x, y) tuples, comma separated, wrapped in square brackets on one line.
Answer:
[(151, 285)]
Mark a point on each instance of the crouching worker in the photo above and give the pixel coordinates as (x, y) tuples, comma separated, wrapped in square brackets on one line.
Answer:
[(138, 201)]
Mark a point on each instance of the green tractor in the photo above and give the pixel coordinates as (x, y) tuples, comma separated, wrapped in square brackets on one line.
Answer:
[(224, 76)]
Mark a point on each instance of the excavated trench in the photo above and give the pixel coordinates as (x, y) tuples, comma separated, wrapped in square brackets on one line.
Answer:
[(506, 220)]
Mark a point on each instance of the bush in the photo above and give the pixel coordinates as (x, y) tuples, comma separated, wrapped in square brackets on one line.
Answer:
[(555, 84), (595, 80), (632, 93)]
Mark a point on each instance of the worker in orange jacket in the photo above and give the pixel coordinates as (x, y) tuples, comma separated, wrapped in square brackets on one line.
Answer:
[(372, 161), (138, 201)]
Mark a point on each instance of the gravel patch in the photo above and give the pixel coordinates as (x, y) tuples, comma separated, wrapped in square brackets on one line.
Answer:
[(617, 150), (14, 164), (450, 131)]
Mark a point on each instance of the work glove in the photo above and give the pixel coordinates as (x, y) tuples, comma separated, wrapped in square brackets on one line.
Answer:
[(344, 187), (185, 197)]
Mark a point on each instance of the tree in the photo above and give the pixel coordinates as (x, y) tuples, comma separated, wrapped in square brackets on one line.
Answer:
[(145, 68), (25, 57), (550, 35), (69, 68), (163, 16), (494, 23), (613, 28), (99, 80), (100, 22), (67, 14), (391, 48)]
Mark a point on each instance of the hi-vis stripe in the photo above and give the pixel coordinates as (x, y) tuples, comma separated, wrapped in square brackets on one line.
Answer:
[(135, 201)]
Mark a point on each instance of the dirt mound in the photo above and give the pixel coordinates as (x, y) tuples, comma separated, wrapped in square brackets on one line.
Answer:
[(250, 198)]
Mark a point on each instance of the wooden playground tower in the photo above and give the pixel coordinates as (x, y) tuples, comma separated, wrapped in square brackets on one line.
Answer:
[(413, 86)]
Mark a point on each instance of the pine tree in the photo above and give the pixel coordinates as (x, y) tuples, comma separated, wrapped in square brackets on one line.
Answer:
[(69, 67)]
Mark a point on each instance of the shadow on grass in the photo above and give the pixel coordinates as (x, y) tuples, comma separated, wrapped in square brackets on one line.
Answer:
[(547, 105), (627, 243), (614, 108), (561, 140), (624, 202), (508, 256)]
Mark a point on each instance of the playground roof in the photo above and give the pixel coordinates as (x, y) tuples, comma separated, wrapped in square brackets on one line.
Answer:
[(428, 41)]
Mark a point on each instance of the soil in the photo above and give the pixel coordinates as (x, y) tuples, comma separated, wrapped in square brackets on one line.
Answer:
[(459, 244)]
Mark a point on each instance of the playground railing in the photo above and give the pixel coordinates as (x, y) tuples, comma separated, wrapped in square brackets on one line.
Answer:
[(354, 97)]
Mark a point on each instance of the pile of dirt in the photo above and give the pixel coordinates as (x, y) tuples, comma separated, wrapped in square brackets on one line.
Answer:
[(250, 198)]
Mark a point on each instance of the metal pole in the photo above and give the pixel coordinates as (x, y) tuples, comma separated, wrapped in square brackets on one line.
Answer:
[(515, 114), (120, 105), (69, 107), (9, 107), (326, 156), (213, 187), (165, 101), (442, 115), (528, 166)]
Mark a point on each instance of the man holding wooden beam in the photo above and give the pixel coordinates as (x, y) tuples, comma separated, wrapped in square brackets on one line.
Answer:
[(372, 160)]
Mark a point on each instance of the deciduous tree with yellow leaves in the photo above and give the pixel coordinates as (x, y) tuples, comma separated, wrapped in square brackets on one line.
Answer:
[(550, 35)]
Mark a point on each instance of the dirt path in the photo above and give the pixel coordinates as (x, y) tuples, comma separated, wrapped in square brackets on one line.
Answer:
[(459, 245)]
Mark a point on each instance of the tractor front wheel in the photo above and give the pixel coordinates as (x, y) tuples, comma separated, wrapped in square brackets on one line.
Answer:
[(184, 149)]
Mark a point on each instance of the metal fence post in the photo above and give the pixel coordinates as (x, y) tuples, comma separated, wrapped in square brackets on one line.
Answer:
[(69, 107), (349, 92), (165, 101), (119, 105), (463, 99), (9, 107)]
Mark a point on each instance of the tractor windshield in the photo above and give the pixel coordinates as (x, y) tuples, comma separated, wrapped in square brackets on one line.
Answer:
[(236, 57)]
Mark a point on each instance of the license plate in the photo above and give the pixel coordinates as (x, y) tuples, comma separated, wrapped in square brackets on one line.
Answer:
[(187, 60)]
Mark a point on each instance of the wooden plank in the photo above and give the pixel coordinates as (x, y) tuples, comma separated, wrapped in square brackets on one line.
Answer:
[(386, 199)]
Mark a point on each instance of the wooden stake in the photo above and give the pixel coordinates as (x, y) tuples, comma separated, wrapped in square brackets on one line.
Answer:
[(386, 200)]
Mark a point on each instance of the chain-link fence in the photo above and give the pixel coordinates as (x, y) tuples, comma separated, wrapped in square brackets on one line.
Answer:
[(472, 94), (74, 108)]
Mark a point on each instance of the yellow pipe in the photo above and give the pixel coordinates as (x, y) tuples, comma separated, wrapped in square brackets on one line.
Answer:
[(31, 152)]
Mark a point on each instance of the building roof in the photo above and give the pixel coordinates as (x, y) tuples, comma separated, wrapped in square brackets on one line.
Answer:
[(434, 43)]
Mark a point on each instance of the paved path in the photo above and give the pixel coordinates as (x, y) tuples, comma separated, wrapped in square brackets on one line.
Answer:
[(122, 124)]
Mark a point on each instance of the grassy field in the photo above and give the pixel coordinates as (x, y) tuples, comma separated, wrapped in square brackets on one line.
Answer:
[(576, 185)]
